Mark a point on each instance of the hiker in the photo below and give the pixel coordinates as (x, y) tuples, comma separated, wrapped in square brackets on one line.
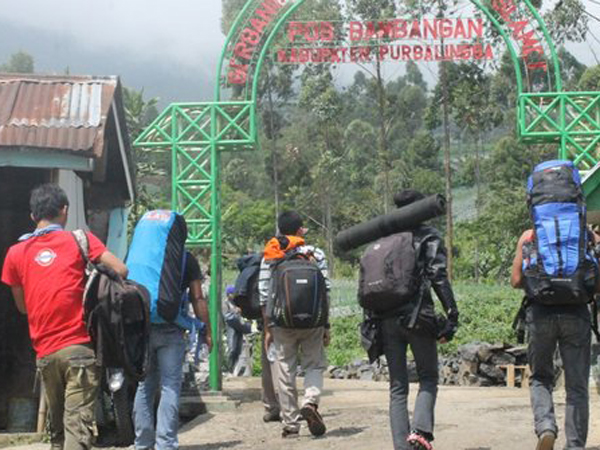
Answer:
[(236, 328), (301, 329), (247, 298), (557, 296), (400, 304), (46, 273), (270, 397), (157, 259)]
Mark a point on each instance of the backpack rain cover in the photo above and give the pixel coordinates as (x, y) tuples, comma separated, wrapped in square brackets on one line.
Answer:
[(156, 260), (558, 267)]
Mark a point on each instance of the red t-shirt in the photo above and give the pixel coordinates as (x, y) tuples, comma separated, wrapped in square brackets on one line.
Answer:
[(50, 269)]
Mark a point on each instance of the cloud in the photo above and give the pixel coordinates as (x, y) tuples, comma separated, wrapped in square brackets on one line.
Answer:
[(186, 31)]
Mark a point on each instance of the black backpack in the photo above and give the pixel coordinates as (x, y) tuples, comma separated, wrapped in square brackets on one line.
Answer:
[(298, 296), (117, 316), (246, 296), (388, 274)]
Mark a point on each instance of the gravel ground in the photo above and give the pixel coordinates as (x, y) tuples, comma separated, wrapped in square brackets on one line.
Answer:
[(356, 416)]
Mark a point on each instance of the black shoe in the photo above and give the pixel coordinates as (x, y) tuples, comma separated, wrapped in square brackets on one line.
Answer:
[(546, 440), (286, 433), (315, 421), (271, 416)]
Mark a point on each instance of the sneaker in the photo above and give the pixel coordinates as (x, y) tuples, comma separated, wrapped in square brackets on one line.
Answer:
[(546, 440), (272, 416), (313, 418), (288, 433), (418, 442)]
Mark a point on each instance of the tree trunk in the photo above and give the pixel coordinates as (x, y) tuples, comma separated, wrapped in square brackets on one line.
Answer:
[(477, 200), (273, 149), (447, 161), (327, 210), (383, 147)]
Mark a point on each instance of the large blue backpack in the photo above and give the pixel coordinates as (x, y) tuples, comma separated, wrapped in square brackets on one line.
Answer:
[(156, 259), (558, 265)]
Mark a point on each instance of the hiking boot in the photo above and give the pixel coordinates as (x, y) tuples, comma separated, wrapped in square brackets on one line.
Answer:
[(418, 442), (313, 418), (546, 440), (272, 416), (289, 433)]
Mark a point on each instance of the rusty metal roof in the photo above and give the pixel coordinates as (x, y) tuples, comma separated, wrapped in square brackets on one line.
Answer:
[(67, 113)]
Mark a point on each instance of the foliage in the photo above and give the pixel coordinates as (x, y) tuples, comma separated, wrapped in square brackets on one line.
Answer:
[(345, 340), (151, 165), (20, 62), (486, 314), (590, 79)]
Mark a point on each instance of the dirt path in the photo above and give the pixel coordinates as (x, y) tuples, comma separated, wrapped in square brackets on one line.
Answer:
[(357, 419)]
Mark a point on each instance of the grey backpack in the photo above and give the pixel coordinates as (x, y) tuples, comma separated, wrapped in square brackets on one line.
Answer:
[(388, 274)]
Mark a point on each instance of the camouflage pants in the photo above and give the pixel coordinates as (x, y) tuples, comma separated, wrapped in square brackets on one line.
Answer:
[(70, 378)]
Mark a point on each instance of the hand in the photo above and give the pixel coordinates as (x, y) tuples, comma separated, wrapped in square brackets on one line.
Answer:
[(268, 338), (447, 333), (208, 340), (327, 338)]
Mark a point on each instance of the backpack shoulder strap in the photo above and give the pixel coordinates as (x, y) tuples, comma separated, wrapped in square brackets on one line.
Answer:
[(83, 244)]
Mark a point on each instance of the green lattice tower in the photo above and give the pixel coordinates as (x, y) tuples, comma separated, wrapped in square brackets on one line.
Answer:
[(195, 134)]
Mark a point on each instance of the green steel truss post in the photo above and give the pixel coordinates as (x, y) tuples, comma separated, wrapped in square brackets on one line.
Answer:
[(196, 133)]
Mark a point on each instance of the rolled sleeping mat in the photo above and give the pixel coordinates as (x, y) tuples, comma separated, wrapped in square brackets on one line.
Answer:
[(402, 219)]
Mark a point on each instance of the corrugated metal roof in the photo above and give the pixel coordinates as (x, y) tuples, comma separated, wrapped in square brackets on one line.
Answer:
[(53, 112)]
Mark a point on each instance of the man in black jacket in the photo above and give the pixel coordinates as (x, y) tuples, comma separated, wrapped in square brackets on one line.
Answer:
[(415, 324)]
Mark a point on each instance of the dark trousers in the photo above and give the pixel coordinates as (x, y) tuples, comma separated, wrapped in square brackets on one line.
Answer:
[(572, 334), (71, 378), (396, 340)]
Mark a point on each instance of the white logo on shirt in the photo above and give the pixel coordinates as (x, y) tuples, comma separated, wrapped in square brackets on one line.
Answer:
[(45, 257)]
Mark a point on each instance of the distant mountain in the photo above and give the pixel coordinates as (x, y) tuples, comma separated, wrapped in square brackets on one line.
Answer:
[(164, 78)]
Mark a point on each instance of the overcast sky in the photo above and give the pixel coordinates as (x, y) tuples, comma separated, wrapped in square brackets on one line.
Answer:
[(173, 29), (169, 47)]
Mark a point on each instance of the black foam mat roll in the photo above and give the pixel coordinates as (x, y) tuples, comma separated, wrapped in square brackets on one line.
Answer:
[(398, 221)]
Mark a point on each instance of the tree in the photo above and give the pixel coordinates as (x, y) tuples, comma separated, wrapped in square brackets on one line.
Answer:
[(231, 9), (20, 62), (321, 100), (149, 164), (373, 10), (590, 79)]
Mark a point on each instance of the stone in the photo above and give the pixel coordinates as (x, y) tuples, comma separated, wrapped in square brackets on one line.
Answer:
[(492, 372)]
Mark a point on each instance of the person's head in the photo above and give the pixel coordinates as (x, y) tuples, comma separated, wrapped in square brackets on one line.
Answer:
[(229, 291), (291, 224), (49, 203), (406, 197)]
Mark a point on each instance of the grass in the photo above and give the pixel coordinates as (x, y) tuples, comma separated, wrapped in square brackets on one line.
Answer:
[(486, 314)]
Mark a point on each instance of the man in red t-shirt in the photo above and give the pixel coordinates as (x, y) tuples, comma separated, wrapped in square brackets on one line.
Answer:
[(46, 273)]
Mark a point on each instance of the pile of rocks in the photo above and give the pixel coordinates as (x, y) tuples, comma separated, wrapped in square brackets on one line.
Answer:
[(361, 369), (478, 364)]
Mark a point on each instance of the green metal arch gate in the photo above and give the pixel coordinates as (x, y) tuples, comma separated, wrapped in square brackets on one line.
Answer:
[(196, 133)]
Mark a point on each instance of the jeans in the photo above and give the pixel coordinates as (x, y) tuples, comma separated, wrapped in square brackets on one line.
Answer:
[(289, 344), (167, 350), (396, 340), (71, 379), (572, 334)]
